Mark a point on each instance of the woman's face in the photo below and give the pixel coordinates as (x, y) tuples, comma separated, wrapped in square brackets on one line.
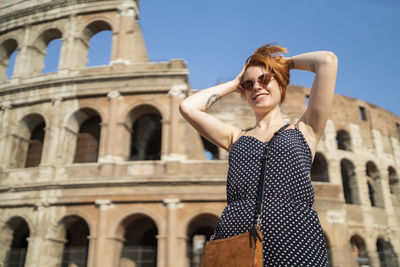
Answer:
[(261, 98)]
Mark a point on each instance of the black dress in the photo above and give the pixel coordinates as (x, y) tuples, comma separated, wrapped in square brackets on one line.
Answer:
[(292, 234)]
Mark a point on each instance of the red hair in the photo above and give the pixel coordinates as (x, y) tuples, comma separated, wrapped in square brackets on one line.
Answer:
[(270, 58)]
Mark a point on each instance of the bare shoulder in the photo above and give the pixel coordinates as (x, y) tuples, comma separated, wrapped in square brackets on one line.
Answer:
[(309, 136)]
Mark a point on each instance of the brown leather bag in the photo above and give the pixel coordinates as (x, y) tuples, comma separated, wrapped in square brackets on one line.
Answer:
[(244, 250), (237, 251)]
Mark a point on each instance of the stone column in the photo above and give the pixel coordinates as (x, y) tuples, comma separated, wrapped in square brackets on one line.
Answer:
[(103, 254), (23, 60), (35, 252), (161, 251), (172, 241), (4, 132), (112, 132), (52, 134), (171, 130), (128, 43), (73, 54)]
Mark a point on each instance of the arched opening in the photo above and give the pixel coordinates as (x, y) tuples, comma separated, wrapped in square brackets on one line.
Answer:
[(39, 50), (35, 147), (16, 235), (319, 169), (52, 56), (27, 142), (140, 242), (146, 133), (200, 230), (8, 53), (359, 250), (88, 136), (349, 182), (374, 185), (75, 252), (386, 254), (98, 34), (210, 150), (343, 140), (371, 193), (394, 182)]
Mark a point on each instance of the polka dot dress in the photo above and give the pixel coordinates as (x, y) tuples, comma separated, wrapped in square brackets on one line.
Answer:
[(292, 234)]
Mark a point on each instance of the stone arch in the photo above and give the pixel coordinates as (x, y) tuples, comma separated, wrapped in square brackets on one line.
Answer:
[(199, 230), (93, 27), (38, 50), (139, 234), (7, 48), (374, 182), (146, 125), (343, 140), (27, 141), (319, 170), (394, 183), (82, 136), (71, 244), (120, 217), (14, 240), (386, 253), (349, 182), (359, 250)]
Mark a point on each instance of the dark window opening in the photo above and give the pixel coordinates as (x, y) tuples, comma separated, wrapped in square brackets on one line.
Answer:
[(87, 145), (146, 138), (343, 140), (349, 182), (140, 245), (363, 113), (35, 147), (371, 194), (319, 169), (16, 255), (76, 249)]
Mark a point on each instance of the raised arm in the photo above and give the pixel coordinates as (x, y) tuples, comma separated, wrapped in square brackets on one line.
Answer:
[(194, 108), (324, 65)]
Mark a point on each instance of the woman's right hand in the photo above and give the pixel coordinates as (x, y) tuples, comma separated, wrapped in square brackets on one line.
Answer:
[(239, 78)]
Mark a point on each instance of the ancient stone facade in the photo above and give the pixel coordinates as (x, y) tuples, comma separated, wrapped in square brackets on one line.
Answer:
[(98, 168)]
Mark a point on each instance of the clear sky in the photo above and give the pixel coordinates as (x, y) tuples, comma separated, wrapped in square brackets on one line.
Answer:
[(215, 37)]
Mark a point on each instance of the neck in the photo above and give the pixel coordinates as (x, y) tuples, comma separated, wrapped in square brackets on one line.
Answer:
[(271, 119)]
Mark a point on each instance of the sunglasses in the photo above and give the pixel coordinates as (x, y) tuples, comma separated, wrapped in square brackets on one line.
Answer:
[(263, 80)]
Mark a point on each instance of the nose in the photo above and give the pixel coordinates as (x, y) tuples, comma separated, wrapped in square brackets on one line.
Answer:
[(257, 86)]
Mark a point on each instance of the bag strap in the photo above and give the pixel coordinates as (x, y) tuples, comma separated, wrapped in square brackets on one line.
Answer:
[(263, 173)]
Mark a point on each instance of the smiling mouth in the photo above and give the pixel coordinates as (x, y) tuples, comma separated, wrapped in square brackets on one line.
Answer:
[(259, 96)]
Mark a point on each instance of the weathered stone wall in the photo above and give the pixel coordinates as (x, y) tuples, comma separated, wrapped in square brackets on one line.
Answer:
[(182, 192)]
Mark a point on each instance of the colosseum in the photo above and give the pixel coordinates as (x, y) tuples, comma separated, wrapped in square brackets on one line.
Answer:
[(99, 169)]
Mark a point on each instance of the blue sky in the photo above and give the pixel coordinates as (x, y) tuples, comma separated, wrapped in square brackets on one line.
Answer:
[(216, 37)]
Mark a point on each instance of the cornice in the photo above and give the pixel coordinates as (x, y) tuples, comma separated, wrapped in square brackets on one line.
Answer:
[(43, 7)]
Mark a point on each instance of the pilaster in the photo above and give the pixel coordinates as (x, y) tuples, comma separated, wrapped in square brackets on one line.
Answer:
[(173, 259)]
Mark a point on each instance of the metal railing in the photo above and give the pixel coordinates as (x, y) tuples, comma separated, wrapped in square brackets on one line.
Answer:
[(142, 256), (76, 256), (15, 257)]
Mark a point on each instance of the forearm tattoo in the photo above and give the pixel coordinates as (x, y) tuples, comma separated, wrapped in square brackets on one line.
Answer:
[(291, 64), (312, 66), (211, 100)]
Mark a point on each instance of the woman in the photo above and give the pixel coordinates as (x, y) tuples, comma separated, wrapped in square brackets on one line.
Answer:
[(291, 230)]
